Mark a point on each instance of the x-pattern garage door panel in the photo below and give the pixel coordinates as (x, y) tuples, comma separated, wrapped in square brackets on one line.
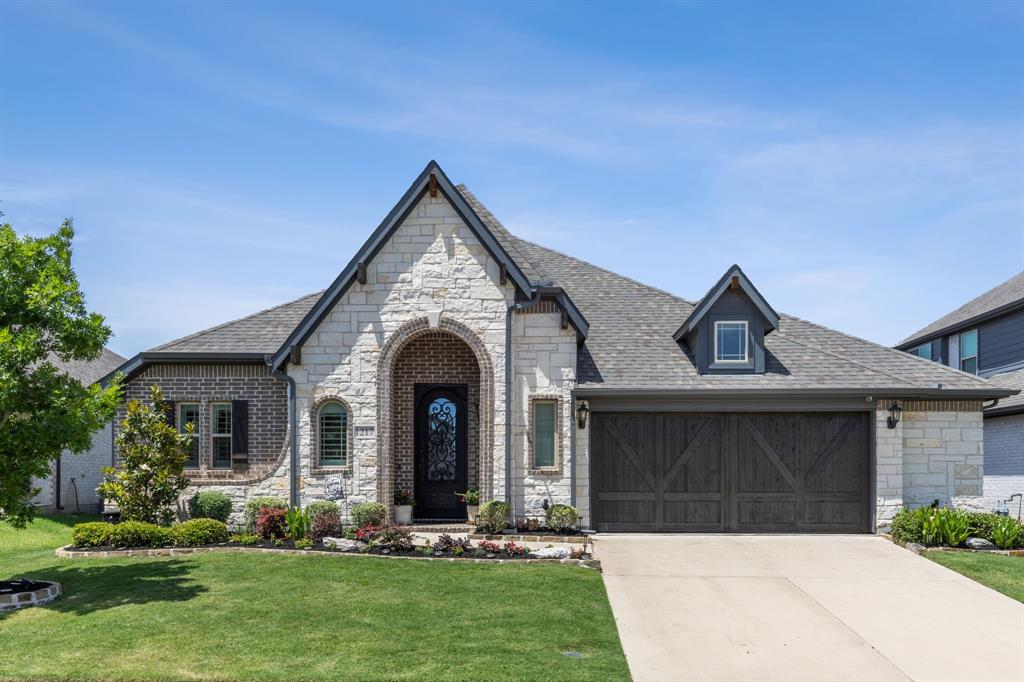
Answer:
[(742, 472)]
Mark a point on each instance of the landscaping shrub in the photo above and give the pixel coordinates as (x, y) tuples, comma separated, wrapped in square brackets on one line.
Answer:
[(324, 525), (952, 526), (369, 514), (270, 523), (210, 504), (201, 531), (931, 532), (561, 517), (92, 534), (494, 516), (1007, 532), (906, 526), (446, 543), (394, 539), (139, 534), (303, 544), (298, 523), (512, 549), (253, 507), (247, 539), (315, 509)]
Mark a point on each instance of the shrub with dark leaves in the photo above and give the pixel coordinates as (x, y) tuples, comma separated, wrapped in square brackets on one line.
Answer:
[(490, 547), (367, 533), (325, 525), (446, 543), (271, 524), (393, 539)]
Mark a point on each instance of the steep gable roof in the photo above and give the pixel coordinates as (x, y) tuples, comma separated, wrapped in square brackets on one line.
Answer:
[(431, 174), (708, 301), (996, 301)]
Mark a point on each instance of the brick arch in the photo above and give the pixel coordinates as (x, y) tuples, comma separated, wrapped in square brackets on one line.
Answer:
[(390, 352)]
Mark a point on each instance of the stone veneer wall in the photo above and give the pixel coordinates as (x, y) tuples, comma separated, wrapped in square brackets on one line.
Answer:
[(544, 366), (432, 272), (934, 453), (1004, 460), (436, 357)]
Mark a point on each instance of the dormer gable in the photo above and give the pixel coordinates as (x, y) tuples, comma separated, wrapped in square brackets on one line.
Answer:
[(725, 331)]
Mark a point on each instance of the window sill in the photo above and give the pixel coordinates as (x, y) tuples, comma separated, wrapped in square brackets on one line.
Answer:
[(546, 471), (319, 470)]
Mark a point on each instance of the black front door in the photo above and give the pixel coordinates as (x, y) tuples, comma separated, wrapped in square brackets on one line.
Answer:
[(441, 443)]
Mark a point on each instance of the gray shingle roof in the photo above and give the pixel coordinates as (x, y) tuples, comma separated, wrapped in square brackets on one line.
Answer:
[(630, 344), (1013, 381), (88, 371), (261, 332), (1006, 294)]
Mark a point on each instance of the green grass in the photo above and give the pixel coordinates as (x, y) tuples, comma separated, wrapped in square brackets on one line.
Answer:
[(235, 616), (1002, 573)]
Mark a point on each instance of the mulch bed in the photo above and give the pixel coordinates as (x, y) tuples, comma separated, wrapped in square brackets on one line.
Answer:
[(22, 585)]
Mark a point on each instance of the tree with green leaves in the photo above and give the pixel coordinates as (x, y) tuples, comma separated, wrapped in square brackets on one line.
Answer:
[(43, 411), (151, 475)]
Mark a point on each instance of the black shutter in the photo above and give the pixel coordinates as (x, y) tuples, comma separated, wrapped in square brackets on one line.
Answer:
[(170, 413), (240, 430)]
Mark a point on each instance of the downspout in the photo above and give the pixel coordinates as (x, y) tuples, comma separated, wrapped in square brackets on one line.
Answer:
[(995, 401), (508, 396), (293, 485)]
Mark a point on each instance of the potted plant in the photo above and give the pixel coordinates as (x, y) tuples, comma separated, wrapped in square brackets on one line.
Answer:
[(403, 507), (470, 498)]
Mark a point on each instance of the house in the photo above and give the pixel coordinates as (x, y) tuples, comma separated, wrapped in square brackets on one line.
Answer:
[(71, 485), (449, 354), (985, 336)]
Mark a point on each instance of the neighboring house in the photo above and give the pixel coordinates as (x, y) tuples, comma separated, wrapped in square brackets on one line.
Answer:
[(71, 485), (450, 354), (985, 336)]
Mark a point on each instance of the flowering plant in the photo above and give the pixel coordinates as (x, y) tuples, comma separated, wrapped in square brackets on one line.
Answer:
[(367, 533), (490, 547), (512, 549)]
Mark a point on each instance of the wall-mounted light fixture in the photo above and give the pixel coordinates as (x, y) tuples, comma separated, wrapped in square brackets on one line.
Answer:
[(894, 415), (582, 410)]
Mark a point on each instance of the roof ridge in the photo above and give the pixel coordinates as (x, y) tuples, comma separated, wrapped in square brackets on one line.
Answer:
[(931, 364), (222, 325), (927, 331)]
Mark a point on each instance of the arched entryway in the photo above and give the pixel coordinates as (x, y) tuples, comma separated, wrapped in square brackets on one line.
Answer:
[(435, 399)]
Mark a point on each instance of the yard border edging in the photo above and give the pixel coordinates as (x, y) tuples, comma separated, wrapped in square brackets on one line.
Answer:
[(67, 552)]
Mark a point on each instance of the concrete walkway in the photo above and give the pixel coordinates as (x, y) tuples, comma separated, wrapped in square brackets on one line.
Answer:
[(742, 607)]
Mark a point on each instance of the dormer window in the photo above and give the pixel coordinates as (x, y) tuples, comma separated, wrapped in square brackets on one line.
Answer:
[(731, 341)]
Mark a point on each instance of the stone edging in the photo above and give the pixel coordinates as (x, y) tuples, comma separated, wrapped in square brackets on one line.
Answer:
[(67, 552), (920, 549), (21, 600), (564, 539)]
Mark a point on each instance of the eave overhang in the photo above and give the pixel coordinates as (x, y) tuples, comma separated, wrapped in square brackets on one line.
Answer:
[(768, 393), (134, 366), (960, 326)]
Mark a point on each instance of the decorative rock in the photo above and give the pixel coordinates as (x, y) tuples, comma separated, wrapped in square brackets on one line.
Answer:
[(341, 544), (551, 553), (979, 543), (916, 548)]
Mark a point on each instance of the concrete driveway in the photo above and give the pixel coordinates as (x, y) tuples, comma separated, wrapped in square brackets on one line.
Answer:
[(783, 607)]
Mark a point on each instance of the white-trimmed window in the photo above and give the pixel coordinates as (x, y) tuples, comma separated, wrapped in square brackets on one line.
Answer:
[(220, 435), (545, 429), (188, 413), (922, 351), (731, 341), (969, 351), (332, 434)]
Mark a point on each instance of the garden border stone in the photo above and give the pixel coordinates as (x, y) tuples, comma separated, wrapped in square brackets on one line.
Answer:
[(68, 552), (22, 600), (511, 537)]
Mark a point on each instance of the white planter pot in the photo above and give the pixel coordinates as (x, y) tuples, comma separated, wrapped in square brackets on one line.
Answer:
[(472, 511), (403, 514)]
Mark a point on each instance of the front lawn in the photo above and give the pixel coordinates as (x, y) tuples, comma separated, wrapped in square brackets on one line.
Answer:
[(234, 616), (1002, 573)]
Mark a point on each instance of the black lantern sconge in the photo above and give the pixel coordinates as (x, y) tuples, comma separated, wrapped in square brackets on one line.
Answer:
[(582, 410), (894, 415)]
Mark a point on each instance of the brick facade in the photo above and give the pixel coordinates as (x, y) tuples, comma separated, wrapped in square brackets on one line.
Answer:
[(435, 357), (206, 384), (1004, 460)]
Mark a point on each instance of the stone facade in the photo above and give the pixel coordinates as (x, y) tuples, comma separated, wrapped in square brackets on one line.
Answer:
[(934, 453), (1004, 460)]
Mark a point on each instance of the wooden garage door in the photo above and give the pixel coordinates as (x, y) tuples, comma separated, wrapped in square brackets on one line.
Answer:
[(745, 472)]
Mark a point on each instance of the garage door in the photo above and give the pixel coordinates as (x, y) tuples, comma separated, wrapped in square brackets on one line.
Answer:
[(778, 472)]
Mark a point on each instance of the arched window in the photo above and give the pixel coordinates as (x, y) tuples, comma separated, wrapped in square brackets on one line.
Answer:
[(332, 437)]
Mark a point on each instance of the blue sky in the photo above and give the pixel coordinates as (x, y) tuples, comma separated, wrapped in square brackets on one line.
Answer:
[(864, 163)]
